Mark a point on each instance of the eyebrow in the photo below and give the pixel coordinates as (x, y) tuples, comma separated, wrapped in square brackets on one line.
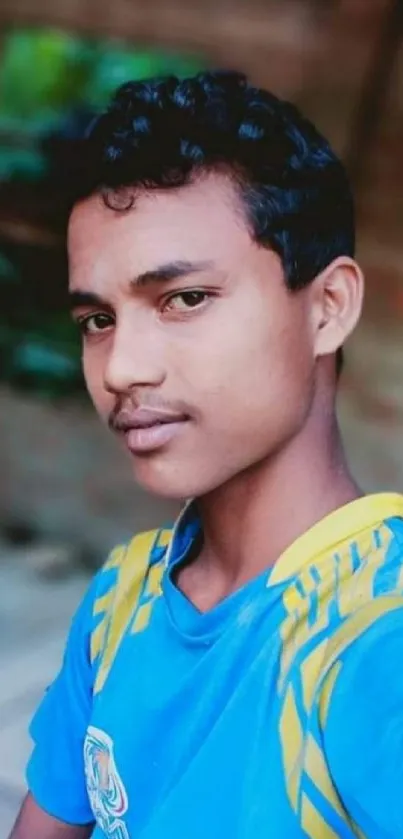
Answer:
[(171, 271), (85, 298), (162, 274)]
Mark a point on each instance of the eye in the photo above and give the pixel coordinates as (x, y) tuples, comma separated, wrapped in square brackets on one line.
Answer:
[(182, 301), (94, 324)]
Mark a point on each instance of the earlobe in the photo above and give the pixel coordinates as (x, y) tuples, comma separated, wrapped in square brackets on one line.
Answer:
[(338, 300)]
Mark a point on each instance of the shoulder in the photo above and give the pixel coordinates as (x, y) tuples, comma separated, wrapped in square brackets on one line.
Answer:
[(368, 687), (129, 564), (143, 549), (363, 726), (117, 586)]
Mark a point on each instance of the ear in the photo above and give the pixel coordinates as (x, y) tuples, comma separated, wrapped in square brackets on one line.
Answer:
[(337, 300)]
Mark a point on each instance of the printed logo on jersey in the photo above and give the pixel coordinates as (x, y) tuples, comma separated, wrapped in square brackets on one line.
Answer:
[(105, 787)]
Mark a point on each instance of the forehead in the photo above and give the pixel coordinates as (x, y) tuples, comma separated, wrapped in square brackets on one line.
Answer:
[(201, 220)]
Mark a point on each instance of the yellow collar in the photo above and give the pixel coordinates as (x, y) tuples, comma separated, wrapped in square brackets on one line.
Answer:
[(344, 523)]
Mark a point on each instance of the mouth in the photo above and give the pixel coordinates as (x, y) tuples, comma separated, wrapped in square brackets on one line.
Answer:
[(148, 431)]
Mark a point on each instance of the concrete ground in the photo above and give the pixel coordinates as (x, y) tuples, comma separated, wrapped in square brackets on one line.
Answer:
[(34, 618)]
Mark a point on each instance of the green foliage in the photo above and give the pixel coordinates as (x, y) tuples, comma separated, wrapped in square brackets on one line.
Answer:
[(39, 347), (42, 72), (115, 66)]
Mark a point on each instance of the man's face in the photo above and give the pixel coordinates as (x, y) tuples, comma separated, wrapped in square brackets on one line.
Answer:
[(193, 348)]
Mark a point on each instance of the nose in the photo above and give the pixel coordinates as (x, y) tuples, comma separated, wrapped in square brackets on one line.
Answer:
[(135, 359)]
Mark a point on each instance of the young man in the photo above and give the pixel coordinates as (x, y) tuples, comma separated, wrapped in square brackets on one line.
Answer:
[(239, 675)]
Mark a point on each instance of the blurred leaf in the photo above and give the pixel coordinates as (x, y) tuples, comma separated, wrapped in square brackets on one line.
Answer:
[(41, 70), (113, 68), (28, 164), (8, 271), (43, 368), (116, 66), (180, 65), (15, 125), (39, 358)]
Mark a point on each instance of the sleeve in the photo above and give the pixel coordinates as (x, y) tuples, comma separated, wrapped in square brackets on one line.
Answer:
[(55, 772), (363, 734)]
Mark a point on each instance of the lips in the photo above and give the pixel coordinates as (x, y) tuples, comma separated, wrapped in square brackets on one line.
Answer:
[(149, 429)]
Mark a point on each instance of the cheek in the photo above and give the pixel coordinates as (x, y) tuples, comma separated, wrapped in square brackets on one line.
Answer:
[(234, 356), (257, 371), (93, 369)]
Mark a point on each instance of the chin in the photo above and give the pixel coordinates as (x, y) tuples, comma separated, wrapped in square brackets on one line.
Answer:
[(164, 483), (176, 482)]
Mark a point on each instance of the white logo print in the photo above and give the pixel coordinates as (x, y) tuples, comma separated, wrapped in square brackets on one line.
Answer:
[(105, 787)]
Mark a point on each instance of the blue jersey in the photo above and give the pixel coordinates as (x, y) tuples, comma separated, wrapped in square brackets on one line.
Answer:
[(278, 714)]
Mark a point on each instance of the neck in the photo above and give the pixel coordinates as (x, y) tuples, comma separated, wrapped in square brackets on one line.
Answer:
[(251, 520)]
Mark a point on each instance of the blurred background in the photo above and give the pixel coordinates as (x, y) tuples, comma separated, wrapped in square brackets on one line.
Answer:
[(66, 493)]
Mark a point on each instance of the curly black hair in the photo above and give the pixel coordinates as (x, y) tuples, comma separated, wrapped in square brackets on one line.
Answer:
[(164, 132)]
